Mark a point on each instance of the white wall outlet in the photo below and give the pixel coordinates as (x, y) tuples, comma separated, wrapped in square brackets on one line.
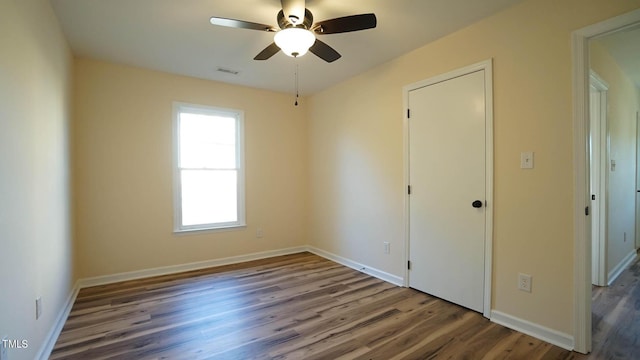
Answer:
[(259, 232), (387, 247), (4, 349), (524, 282), (38, 307)]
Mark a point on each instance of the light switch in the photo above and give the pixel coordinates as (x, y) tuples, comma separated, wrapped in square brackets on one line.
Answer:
[(526, 160)]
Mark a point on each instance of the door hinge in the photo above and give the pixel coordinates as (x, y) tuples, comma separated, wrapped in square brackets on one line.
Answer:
[(409, 265), (409, 189), (408, 113), (586, 211), (593, 197)]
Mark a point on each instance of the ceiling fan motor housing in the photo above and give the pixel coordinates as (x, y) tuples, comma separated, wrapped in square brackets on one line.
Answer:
[(284, 23)]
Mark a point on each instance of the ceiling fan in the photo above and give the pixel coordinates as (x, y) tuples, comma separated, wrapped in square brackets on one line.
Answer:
[(297, 31)]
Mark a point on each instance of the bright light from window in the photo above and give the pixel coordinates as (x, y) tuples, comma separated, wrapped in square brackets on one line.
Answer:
[(209, 197), (209, 170), (207, 141)]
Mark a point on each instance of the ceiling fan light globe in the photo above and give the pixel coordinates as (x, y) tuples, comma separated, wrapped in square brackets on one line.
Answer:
[(294, 42)]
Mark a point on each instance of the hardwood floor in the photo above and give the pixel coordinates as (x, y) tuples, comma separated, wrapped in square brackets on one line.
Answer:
[(616, 317), (297, 306)]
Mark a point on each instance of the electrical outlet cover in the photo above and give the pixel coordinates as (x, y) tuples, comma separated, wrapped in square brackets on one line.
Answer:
[(524, 282)]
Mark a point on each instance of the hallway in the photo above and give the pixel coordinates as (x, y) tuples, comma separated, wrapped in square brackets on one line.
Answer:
[(616, 317)]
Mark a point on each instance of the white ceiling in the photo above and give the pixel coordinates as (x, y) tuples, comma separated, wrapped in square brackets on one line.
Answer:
[(624, 47), (175, 36)]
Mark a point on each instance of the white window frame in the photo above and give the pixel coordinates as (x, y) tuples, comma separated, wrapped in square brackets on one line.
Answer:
[(178, 108)]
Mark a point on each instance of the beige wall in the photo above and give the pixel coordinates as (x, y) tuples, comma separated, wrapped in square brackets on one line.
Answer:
[(35, 241), (123, 170), (328, 173), (356, 152), (623, 103)]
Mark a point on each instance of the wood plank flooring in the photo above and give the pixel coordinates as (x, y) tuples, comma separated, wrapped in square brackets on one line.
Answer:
[(616, 317), (297, 306)]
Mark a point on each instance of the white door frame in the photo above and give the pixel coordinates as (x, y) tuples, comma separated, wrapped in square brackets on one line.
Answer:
[(637, 179), (487, 66), (582, 223), (600, 139)]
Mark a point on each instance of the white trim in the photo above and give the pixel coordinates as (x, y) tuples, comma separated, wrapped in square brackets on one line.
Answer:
[(622, 265), (186, 232), (172, 269), (551, 336), (637, 213), (487, 66), (406, 178), (382, 275), (582, 225), (54, 333), (61, 319), (598, 81), (488, 246), (47, 348), (602, 180)]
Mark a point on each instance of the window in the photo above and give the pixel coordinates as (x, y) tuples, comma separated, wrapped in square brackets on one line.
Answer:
[(209, 176)]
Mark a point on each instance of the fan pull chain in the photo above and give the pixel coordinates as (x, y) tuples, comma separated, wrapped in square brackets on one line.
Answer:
[(297, 85)]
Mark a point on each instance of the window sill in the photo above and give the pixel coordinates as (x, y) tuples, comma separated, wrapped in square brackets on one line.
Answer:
[(210, 230)]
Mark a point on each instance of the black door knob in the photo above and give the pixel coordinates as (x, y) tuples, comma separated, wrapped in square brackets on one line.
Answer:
[(477, 204)]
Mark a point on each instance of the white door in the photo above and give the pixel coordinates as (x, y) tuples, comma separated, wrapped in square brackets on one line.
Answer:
[(447, 197), (598, 180)]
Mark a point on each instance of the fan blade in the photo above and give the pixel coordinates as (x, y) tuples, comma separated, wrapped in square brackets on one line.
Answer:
[(241, 24), (293, 10), (346, 24), (324, 51), (268, 52)]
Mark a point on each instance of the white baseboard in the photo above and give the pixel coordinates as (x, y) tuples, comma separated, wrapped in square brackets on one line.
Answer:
[(172, 269), (45, 351), (622, 265), (551, 336), (560, 339), (382, 275), (52, 337)]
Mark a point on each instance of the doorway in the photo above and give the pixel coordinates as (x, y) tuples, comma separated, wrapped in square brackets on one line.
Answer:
[(582, 195), (449, 176)]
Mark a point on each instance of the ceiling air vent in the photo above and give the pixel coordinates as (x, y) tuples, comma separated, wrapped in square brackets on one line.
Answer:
[(228, 71)]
